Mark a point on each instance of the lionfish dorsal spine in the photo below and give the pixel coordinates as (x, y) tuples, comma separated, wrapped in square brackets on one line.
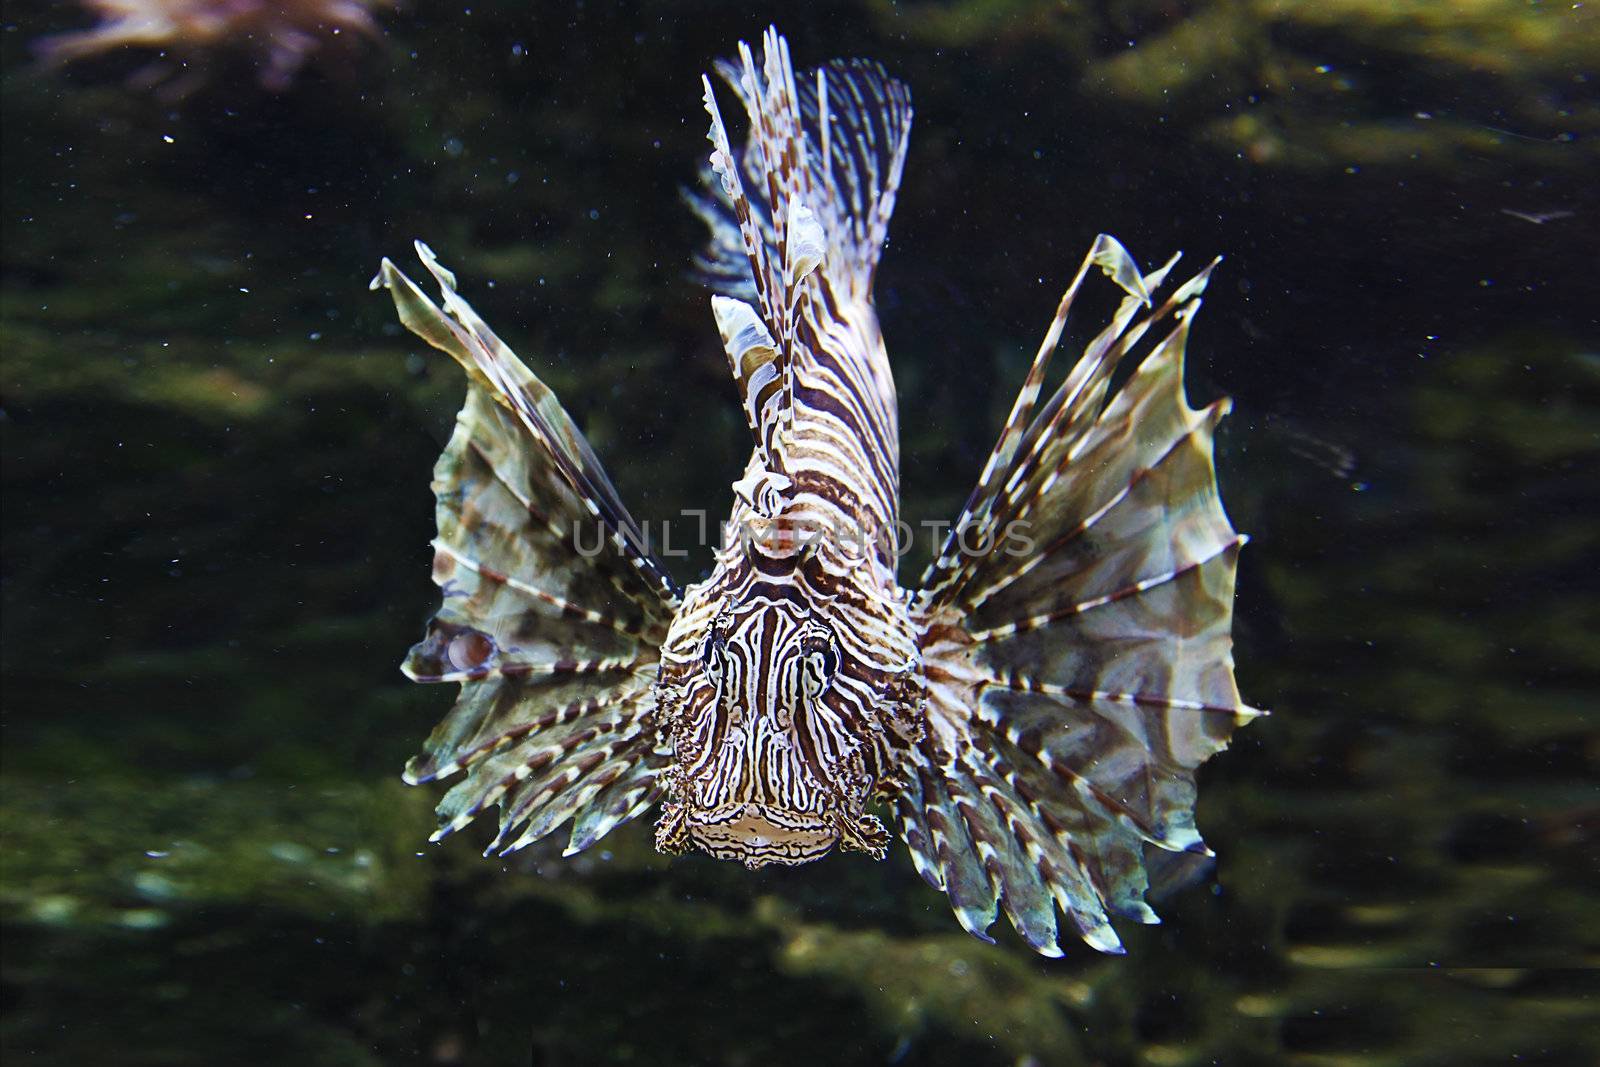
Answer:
[(808, 197)]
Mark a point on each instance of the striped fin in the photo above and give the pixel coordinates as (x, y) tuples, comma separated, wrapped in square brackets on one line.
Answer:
[(855, 126), (859, 120), (956, 855), (1078, 644), (798, 217), (775, 158), (542, 767), (618, 801), (552, 610), (757, 233), (1074, 396), (489, 363)]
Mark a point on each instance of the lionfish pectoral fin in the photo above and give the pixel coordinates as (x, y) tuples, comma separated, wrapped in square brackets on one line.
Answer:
[(1079, 656), (672, 829), (552, 610), (863, 833)]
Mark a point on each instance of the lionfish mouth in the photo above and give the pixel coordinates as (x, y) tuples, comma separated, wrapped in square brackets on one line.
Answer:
[(756, 835)]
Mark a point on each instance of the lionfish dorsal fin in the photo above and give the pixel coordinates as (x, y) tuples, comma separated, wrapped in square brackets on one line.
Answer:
[(805, 201), (752, 232), (843, 158)]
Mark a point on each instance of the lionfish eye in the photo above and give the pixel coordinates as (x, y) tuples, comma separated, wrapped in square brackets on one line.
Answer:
[(818, 666), (711, 655)]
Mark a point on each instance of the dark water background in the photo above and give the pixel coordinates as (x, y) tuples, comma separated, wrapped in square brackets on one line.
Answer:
[(216, 447)]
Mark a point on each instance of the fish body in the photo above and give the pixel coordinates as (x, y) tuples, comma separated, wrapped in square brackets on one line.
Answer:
[(1032, 712)]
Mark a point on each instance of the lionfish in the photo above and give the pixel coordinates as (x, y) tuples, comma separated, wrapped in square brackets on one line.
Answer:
[(1033, 711)]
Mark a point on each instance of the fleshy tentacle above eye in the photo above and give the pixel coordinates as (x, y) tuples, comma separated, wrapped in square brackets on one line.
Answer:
[(553, 610), (1077, 637)]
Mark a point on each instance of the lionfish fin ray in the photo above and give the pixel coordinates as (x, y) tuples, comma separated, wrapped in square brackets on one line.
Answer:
[(855, 125), (553, 610), (1107, 254), (860, 121), (801, 208), (1084, 678)]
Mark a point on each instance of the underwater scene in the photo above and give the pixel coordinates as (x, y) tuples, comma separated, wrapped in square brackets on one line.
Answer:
[(822, 672)]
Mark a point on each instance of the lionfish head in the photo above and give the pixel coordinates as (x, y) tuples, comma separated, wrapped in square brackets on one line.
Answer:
[(767, 767)]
